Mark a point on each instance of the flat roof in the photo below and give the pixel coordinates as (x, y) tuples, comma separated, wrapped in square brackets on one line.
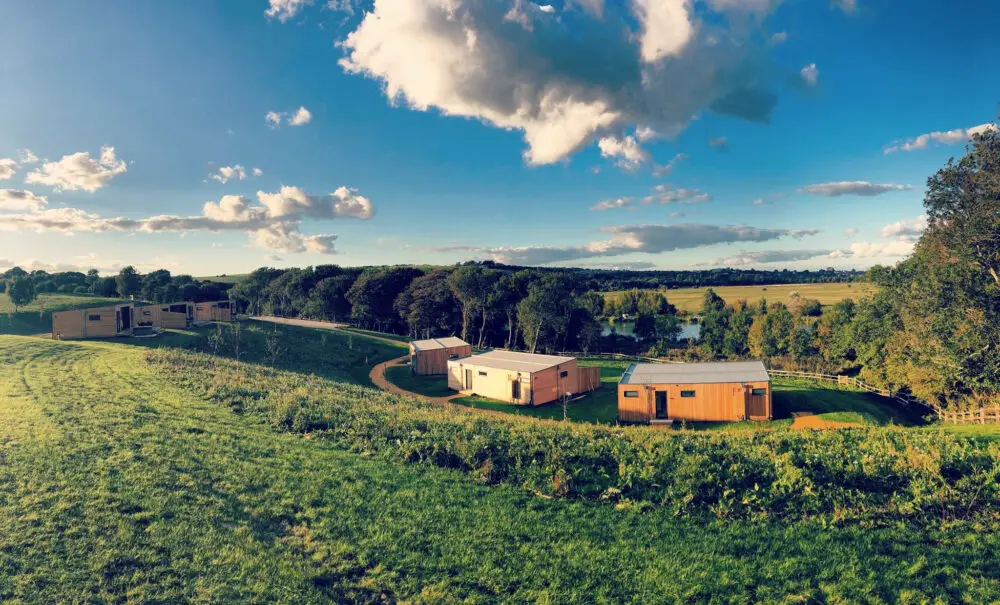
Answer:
[(518, 362), (433, 344), (695, 373)]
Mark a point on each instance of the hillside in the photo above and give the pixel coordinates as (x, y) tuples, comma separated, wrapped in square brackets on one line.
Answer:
[(169, 472), (36, 318)]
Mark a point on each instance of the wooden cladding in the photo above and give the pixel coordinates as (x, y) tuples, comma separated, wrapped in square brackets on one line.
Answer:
[(713, 402)]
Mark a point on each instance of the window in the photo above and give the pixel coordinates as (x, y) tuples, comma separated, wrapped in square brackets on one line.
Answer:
[(93, 318), (515, 390), (759, 392), (631, 394), (223, 305), (687, 393), (146, 313), (164, 309), (178, 309), (563, 374), (482, 373)]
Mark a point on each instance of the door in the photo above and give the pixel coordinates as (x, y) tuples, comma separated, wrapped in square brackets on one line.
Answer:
[(468, 380), (124, 319), (758, 403), (515, 390), (660, 403)]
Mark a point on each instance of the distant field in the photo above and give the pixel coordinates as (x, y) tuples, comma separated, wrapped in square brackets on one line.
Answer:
[(36, 318), (223, 279), (690, 299)]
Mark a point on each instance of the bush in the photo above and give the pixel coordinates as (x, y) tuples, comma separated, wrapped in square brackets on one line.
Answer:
[(844, 474)]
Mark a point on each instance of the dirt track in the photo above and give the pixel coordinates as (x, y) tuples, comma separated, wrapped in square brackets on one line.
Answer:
[(808, 420)]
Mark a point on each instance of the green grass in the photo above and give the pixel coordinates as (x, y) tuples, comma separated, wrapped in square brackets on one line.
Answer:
[(396, 337), (36, 318), (429, 386), (224, 279), (691, 299), (120, 482)]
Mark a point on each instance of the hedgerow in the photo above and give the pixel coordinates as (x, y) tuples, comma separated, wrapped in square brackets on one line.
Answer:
[(859, 474)]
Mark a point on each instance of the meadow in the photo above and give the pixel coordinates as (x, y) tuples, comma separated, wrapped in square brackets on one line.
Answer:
[(690, 299), (199, 467)]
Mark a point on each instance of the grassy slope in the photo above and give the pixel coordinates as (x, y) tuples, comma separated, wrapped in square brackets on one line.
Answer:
[(36, 318), (117, 484), (431, 386), (690, 299)]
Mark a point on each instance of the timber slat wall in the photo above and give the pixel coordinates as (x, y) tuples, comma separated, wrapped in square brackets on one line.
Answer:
[(590, 379)]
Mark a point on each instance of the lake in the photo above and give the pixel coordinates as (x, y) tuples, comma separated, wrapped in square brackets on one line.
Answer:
[(627, 328)]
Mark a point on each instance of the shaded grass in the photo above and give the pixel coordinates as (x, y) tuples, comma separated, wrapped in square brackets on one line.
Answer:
[(429, 386), (119, 483), (396, 337)]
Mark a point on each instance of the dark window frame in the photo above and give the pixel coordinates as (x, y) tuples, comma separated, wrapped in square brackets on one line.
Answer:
[(631, 394), (758, 392), (93, 317), (689, 394)]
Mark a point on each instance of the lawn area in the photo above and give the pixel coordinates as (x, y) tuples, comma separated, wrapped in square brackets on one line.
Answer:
[(690, 299), (120, 482), (429, 386), (36, 318), (396, 337)]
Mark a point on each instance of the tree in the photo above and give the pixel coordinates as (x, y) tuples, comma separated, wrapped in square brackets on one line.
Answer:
[(736, 343), (374, 293), (771, 335), (473, 286), (154, 286), (589, 337), (714, 323), (507, 293), (545, 312), (128, 282), (429, 307), (106, 286), (645, 328), (833, 332), (21, 291), (593, 303), (328, 299)]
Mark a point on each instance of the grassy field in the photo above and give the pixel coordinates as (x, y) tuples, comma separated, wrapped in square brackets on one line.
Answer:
[(36, 318), (223, 279), (134, 474), (690, 299), (429, 386)]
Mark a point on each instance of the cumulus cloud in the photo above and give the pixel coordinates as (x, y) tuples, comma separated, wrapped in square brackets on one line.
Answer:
[(772, 256), (848, 6), (905, 230), (778, 38), (273, 223), (949, 137), (27, 157), (719, 144), (564, 83), (851, 231), (645, 134), (863, 188), (224, 174), (645, 239), (760, 202), (300, 117), (637, 266), (621, 202), (880, 249), (21, 201), (810, 74), (626, 152), (258, 172), (8, 168), (79, 171), (283, 10)]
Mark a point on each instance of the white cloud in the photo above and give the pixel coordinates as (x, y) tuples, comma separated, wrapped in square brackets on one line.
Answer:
[(879, 249), (851, 231), (224, 174), (274, 223), (283, 10), (667, 194), (773, 256), (719, 144), (258, 172), (863, 188), (760, 202), (778, 38), (546, 8), (79, 171), (621, 202), (645, 239), (8, 168), (645, 134), (662, 170), (848, 6), (273, 119), (21, 201), (628, 154), (810, 74), (905, 230), (301, 117), (654, 63), (27, 157), (949, 137)]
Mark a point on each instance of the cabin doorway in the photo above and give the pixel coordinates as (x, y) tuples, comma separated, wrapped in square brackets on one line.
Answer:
[(758, 402), (515, 390), (468, 380), (660, 405), (124, 319)]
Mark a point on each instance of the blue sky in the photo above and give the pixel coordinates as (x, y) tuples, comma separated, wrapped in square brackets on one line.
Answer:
[(815, 110)]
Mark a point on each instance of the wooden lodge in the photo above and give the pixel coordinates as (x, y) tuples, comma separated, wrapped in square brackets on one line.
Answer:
[(428, 357), (695, 392), (521, 378), (220, 310), (99, 322)]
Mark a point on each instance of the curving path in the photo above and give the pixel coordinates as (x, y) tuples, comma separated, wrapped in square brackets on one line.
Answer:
[(377, 376), (808, 420)]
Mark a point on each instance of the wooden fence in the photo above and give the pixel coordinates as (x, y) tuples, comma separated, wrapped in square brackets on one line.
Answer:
[(980, 416)]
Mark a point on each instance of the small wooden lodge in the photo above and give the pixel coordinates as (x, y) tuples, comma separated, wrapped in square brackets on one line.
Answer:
[(431, 356), (99, 322), (171, 316), (695, 392), (220, 310), (521, 378)]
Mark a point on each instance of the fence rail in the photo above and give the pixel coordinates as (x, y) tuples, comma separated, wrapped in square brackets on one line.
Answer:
[(980, 416)]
